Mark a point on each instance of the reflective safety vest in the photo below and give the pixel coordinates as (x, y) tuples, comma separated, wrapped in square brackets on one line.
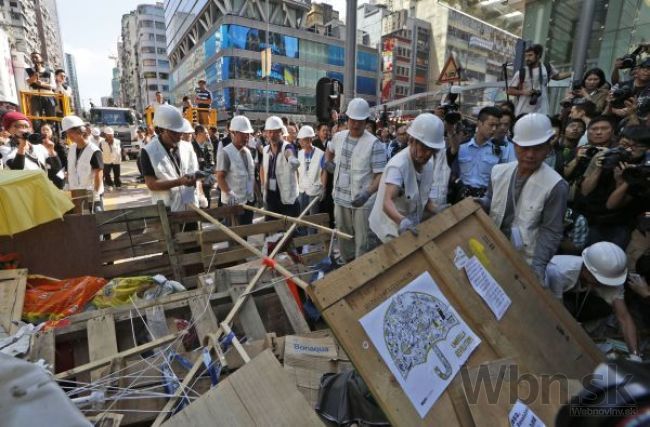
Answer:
[(360, 167), (80, 173), (286, 177), (530, 205), (309, 179), (178, 197), (240, 177)]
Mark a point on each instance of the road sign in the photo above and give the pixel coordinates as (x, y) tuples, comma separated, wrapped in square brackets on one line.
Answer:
[(450, 72)]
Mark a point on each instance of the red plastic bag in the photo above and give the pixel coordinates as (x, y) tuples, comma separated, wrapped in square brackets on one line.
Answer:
[(52, 299)]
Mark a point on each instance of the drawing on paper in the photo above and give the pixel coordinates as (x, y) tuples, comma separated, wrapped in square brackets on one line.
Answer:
[(413, 325)]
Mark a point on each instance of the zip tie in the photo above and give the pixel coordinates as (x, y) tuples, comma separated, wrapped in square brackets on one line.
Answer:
[(269, 262)]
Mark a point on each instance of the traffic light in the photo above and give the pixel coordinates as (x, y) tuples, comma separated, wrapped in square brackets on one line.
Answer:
[(328, 98)]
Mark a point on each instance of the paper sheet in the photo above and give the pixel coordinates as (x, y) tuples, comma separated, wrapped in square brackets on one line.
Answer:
[(488, 288), (522, 416), (422, 339), (460, 258)]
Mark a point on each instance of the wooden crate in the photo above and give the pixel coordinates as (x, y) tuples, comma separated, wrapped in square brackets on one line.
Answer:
[(12, 298), (536, 331)]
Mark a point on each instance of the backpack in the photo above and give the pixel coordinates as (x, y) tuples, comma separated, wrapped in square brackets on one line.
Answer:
[(522, 74)]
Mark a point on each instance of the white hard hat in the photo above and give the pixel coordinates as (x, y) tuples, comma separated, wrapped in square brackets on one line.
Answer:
[(109, 131), (285, 131), (273, 123), (358, 109), (95, 132), (170, 118), (607, 262), (429, 130), (241, 124), (70, 122), (187, 127), (532, 129), (306, 132)]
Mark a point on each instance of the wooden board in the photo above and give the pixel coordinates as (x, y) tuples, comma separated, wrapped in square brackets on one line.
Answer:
[(12, 298), (258, 394), (102, 342), (536, 331)]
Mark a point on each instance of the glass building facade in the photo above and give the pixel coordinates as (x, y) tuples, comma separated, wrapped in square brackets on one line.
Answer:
[(228, 57)]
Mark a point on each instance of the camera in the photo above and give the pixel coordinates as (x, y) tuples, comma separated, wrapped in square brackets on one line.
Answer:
[(629, 61), (591, 152), (32, 138), (643, 106), (614, 156), (638, 176), (620, 94), (534, 97)]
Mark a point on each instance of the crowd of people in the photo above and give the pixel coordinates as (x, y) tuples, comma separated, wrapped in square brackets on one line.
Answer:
[(569, 191)]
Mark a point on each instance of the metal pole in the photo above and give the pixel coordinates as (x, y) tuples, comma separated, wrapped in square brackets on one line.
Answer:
[(583, 36), (268, 45), (349, 76)]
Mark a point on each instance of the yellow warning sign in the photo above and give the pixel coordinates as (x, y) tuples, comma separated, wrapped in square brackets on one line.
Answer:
[(450, 72)]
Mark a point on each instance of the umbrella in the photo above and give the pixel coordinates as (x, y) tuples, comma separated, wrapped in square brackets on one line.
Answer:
[(28, 199)]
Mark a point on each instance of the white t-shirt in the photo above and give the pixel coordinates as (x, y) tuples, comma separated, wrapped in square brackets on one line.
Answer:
[(523, 102), (563, 272), (394, 176)]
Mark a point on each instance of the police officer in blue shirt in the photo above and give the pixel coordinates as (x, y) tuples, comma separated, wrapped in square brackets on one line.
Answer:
[(502, 137), (477, 157)]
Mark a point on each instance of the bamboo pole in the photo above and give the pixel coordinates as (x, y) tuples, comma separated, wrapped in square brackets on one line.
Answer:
[(299, 221), (237, 238)]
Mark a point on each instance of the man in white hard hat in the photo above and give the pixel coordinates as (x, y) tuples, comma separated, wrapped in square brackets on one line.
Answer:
[(527, 199), (85, 164), (112, 156), (599, 273), (278, 173), (309, 171), (415, 180), (357, 159), (96, 136), (236, 170), (169, 164)]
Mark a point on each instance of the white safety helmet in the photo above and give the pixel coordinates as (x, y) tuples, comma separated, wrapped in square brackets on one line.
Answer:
[(273, 123), (429, 130), (187, 127), (240, 124), (70, 122), (170, 118), (532, 129), (108, 131), (95, 132), (285, 131), (306, 132), (607, 262), (358, 109)]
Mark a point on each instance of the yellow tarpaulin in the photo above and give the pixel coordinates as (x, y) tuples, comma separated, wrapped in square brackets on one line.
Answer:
[(28, 199)]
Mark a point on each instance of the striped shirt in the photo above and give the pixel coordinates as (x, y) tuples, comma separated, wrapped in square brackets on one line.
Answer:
[(378, 162)]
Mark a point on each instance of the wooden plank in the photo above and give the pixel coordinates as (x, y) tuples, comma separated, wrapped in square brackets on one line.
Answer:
[(147, 249), (12, 298), (295, 316), (191, 216), (248, 316), (533, 332), (225, 410), (205, 321), (121, 355), (106, 419), (130, 214), (102, 342), (169, 240), (126, 240), (42, 347), (156, 321), (153, 264)]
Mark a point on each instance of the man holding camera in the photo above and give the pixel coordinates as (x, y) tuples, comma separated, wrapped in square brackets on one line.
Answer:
[(169, 165), (530, 83), (28, 151), (604, 176), (600, 134)]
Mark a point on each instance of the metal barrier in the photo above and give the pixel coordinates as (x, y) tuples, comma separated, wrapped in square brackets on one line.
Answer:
[(60, 100)]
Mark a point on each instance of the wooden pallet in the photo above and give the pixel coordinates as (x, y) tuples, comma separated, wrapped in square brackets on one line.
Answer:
[(12, 297), (536, 332)]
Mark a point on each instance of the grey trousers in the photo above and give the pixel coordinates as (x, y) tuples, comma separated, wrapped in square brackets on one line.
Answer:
[(353, 221)]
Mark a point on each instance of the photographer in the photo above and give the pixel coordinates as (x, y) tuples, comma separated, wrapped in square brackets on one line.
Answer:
[(610, 220), (600, 134), (29, 151), (623, 95), (530, 83), (593, 87), (627, 62)]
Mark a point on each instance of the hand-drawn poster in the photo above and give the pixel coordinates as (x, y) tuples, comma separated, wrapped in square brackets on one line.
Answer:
[(422, 340)]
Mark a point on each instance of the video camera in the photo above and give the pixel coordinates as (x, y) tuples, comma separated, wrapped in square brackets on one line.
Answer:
[(620, 94), (614, 156), (629, 60), (32, 138), (638, 176)]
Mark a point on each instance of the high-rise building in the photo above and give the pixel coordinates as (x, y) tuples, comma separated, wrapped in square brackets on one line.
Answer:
[(143, 56), (115, 86), (370, 19), (71, 72), (32, 26), (223, 45)]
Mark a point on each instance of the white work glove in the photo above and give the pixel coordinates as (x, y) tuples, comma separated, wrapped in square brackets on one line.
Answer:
[(294, 163), (360, 199), (407, 225), (634, 358), (233, 199)]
